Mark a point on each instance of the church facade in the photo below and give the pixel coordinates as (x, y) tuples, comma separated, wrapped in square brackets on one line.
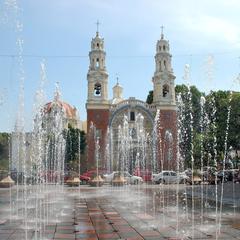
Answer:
[(146, 132)]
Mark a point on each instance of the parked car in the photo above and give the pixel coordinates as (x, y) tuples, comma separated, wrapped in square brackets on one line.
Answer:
[(21, 177), (168, 177), (185, 177), (131, 179), (237, 177), (146, 174), (92, 173), (223, 176), (227, 175), (69, 175), (84, 179)]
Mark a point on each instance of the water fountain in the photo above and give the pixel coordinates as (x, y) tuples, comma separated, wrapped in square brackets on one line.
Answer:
[(38, 167), (97, 180), (38, 198)]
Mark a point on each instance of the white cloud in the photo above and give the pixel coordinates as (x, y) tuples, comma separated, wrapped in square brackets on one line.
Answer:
[(214, 28)]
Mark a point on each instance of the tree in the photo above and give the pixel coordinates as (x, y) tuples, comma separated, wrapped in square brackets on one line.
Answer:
[(75, 145), (150, 97), (208, 127), (4, 151)]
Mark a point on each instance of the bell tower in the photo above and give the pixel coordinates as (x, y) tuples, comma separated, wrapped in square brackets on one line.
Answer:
[(164, 100), (97, 74), (163, 79), (97, 101)]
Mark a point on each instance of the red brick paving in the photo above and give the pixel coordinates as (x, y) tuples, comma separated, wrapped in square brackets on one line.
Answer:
[(97, 219)]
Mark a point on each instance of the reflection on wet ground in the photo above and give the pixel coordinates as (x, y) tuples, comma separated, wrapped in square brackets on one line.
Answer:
[(129, 212)]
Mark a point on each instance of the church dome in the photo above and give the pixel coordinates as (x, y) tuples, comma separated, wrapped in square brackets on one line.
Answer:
[(71, 112), (117, 93)]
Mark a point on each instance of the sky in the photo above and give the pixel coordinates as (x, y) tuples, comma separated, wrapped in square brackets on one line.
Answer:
[(204, 34)]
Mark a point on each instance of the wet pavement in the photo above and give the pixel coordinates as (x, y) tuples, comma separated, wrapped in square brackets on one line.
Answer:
[(133, 212)]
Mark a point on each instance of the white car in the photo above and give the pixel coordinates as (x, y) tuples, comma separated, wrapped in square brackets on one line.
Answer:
[(168, 177), (130, 178)]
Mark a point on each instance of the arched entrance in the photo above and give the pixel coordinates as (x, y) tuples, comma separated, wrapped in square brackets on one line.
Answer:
[(131, 144)]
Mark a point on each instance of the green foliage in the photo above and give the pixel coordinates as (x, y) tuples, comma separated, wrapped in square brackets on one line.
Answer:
[(190, 111), (4, 151), (214, 125), (234, 130), (208, 130), (150, 97), (74, 136)]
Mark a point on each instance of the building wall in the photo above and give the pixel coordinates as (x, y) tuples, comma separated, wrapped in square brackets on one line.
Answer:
[(168, 122), (99, 118)]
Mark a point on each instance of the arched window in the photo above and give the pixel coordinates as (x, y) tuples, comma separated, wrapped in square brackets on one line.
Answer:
[(132, 116), (97, 63), (97, 45), (165, 64), (164, 48), (97, 89), (165, 90), (160, 66)]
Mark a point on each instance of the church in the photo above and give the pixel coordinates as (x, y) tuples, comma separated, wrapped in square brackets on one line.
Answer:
[(152, 125)]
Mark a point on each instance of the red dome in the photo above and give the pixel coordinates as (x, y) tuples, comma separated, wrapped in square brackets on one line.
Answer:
[(68, 109)]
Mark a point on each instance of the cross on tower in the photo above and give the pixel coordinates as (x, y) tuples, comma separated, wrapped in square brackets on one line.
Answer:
[(97, 23), (117, 77), (162, 27)]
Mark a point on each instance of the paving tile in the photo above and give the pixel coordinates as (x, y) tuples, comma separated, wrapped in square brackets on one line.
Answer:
[(124, 229), (64, 236), (48, 236), (83, 227), (134, 238), (85, 235), (6, 231), (65, 231), (98, 218), (66, 227), (92, 238), (128, 234), (65, 223), (4, 236), (149, 233), (231, 231), (100, 230), (108, 236)]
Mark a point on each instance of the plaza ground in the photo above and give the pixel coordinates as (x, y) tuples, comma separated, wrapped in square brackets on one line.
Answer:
[(133, 212)]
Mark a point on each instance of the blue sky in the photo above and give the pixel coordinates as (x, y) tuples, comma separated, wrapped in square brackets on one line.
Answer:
[(131, 29)]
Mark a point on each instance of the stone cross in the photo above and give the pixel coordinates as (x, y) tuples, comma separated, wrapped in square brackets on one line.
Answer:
[(97, 23), (162, 27), (117, 77)]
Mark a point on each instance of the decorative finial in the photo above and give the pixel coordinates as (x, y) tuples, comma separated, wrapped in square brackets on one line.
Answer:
[(162, 36), (97, 23), (57, 94), (117, 78)]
